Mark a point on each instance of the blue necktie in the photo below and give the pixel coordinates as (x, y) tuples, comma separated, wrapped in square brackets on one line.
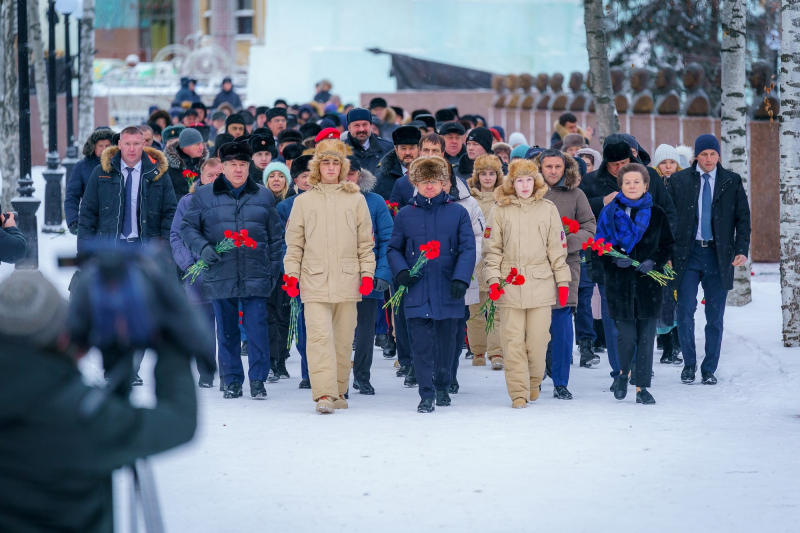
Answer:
[(705, 215), (127, 222)]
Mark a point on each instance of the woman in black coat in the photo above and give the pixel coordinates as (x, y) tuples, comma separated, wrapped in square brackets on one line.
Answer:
[(640, 229)]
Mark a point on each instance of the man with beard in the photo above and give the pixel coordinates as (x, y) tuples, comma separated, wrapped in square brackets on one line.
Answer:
[(395, 164), (367, 147)]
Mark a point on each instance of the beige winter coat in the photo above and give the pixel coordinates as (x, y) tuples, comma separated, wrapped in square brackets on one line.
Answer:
[(526, 235), (485, 199), (329, 242)]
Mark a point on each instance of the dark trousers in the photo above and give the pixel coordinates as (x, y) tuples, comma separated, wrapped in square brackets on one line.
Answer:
[(278, 316), (401, 335), (461, 337), (561, 344), (300, 342), (381, 319), (702, 269), (635, 341), (610, 329), (432, 348), (584, 323), (365, 337), (229, 345), (205, 367)]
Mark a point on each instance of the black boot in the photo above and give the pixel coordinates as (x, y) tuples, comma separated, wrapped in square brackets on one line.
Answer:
[(363, 386), (548, 360), (390, 348), (281, 369), (233, 390), (666, 344), (442, 398), (411, 378), (562, 393), (469, 355), (687, 375), (644, 397), (305, 384), (426, 406), (205, 383), (454, 386), (620, 387), (221, 384), (403, 371), (708, 378), (588, 357), (257, 389), (380, 340), (677, 358), (273, 371)]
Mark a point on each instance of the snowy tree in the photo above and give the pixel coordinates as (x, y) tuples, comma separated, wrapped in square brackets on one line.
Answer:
[(39, 68), (9, 102), (599, 70), (790, 170), (734, 119), (85, 97)]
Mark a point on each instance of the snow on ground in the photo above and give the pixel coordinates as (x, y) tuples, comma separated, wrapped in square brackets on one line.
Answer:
[(721, 458)]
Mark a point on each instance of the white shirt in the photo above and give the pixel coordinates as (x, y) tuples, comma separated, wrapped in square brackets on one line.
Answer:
[(711, 182), (136, 176), (365, 144)]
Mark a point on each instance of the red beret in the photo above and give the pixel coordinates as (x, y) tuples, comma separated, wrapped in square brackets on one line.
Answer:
[(327, 133)]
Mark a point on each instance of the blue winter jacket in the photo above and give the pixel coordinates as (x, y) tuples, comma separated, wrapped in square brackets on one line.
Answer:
[(184, 257), (435, 219), (403, 191), (382, 224), (284, 210), (76, 185)]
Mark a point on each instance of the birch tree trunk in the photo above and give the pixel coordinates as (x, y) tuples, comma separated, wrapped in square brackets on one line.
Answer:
[(789, 121), (734, 120), (9, 103), (599, 70), (85, 97), (39, 69)]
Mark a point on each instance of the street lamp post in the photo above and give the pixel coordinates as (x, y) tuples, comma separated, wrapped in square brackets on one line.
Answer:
[(53, 206), (25, 204), (66, 7)]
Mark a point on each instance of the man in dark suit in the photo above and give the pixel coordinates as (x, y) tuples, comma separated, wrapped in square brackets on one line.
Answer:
[(712, 237)]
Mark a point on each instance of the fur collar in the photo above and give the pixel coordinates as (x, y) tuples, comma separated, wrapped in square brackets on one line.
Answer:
[(150, 157), (391, 164), (562, 131), (367, 181), (505, 194), (572, 174), (175, 156)]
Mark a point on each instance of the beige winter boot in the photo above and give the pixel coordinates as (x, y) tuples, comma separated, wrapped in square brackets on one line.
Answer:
[(535, 393), (397, 363), (519, 403), (497, 362), (479, 359), (325, 405), (340, 403)]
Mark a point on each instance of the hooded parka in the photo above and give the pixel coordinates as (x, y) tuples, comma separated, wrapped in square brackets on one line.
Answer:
[(179, 162)]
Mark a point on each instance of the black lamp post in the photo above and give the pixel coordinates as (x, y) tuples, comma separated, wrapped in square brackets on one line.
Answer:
[(66, 7), (25, 204), (53, 206)]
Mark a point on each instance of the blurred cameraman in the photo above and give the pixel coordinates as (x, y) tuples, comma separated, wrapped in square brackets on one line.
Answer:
[(12, 243), (55, 464)]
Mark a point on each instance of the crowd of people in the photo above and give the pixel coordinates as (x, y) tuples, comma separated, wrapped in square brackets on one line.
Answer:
[(553, 247)]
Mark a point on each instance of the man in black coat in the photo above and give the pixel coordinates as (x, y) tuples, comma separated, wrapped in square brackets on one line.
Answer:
[(712, 238), (55, 465), (128, 200), (99, 140), (13, 245), (395, 164), (601, 188), (368, 148), (242, 275), (185, 157), (453, 134)]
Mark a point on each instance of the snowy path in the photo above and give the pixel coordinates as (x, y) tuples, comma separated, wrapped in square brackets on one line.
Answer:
[(721, 458)]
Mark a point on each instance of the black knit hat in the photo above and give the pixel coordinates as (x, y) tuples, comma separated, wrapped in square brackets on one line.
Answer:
[(261, 110), (300, 165), (290, 136), (406, 135), (616, 151), (235, 151), (358, 113), (377, 102), (355, 164), (276, 112), (234, 118), (483, 137), (199, 105), (261, 143)]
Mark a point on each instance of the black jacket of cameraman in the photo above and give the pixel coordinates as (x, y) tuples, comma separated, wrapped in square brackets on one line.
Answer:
[(13, 246), (241, 272), (55, 468)]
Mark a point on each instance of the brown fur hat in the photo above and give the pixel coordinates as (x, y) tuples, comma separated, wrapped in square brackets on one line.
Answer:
[(517, 169), (328, 148), (485, 162), (428, 168)]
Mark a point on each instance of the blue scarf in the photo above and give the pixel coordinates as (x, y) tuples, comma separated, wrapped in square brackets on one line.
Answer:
[(616, 227)]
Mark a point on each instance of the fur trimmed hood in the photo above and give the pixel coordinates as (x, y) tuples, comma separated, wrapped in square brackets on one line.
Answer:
[(505, 194), (331, 148), (367, 181), (485, 162), (102, 134), (156, 158), (173, 154), (562, 131), (572, 173)]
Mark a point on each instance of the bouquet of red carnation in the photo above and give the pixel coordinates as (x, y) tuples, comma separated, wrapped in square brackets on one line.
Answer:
[(430, 250), (495, 292), (232, 240), (290, 286), (190, 176), (570, 226), (607, 248), (394, 207)]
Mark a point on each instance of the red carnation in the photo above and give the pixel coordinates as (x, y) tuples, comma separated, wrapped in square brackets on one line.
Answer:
[(519, 280), (228, 234)]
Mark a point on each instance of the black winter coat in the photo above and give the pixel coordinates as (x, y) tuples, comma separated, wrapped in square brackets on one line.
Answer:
[(389, 171), (242, 272), (55, 467), (76, 186), (178, 163), (371, 157), (13, 246), (101, 208), (631, 294), (730, 219), (598, 184)]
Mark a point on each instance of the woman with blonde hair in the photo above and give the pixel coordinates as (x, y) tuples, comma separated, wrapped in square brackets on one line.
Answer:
[(278, 179)]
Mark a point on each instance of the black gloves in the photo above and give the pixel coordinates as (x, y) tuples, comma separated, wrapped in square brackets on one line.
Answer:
[(623, 262), (74, 228), (209, 255), (646, 266), (403, 278), (381, 285), (458, 289)]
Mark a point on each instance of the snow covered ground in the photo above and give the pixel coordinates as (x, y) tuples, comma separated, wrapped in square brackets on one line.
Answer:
[(722, 458)]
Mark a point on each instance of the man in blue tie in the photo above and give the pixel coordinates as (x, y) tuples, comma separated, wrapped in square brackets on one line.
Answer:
[(127, 201), (712, 238)]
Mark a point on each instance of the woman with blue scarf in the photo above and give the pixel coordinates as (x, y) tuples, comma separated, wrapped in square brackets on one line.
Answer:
[(638, 228)]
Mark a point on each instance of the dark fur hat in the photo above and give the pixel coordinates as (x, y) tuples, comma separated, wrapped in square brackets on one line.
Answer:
[(235, 151)]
